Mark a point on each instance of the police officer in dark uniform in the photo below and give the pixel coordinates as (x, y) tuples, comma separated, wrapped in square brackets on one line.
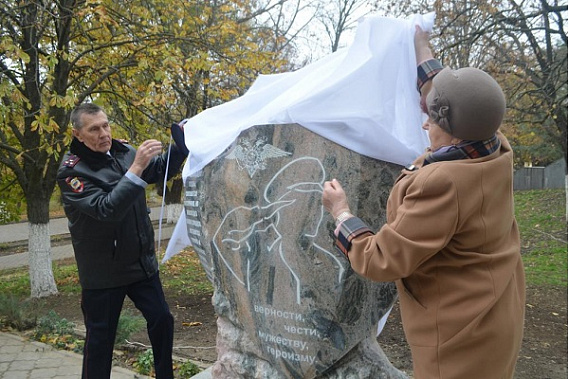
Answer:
[(102, 182)]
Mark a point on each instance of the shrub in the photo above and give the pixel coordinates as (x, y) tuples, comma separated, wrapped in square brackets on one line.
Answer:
[(128, 325), (187, 370), (58, 332), (144, 362), (52, 323), (15, 313)]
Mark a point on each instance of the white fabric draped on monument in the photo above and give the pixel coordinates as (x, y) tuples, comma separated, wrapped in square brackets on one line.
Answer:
[(363, 97)]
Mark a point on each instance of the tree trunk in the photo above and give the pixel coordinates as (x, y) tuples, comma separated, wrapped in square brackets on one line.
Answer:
[(42, 282), (172, 198), (173, 212)]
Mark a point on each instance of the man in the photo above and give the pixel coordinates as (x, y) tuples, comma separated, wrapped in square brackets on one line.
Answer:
[(102, 183)]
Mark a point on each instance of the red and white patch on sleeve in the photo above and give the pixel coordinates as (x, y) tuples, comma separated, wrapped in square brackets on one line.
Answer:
[(75, 183)]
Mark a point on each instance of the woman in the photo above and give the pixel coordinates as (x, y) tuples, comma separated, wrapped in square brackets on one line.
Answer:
[(451, 241)]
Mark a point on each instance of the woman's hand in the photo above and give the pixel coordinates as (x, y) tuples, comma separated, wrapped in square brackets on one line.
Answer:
[(422, 49), (334, 198)]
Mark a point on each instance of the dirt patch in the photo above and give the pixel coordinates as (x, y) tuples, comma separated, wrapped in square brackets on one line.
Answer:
[(543, 355)]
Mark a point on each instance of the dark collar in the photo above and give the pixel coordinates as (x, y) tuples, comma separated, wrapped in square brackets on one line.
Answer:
[(95, 160)]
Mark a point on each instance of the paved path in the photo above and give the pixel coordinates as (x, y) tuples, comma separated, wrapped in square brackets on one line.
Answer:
[(12, 233), (23, 358), (19, 231), (57, 226)]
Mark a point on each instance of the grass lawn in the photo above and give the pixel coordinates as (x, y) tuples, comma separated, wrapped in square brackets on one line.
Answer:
[(542, 220)]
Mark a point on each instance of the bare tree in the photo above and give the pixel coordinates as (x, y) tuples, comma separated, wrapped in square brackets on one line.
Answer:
[(523, 43), (532, 45), (340, 16)]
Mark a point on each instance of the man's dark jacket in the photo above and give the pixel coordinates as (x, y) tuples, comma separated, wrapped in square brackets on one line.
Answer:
[(109, 221)]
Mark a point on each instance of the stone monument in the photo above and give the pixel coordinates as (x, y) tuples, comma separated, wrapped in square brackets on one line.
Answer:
[(287, 301)]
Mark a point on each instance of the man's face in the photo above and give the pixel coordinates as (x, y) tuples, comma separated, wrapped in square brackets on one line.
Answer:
[(95, 132)]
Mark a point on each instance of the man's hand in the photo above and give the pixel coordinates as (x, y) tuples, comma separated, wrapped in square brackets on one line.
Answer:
[(334, 198), (146, 151)]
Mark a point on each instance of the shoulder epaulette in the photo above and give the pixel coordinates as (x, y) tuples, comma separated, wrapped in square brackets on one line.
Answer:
[(71, 161)]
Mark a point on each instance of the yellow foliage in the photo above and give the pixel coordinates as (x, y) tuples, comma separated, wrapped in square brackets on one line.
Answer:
[(146, 63)]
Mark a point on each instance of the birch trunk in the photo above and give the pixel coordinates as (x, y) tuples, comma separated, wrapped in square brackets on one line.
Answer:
[(173, 212), (42, 282)]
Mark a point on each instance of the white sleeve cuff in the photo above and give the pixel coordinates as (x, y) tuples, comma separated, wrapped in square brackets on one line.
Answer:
[(135, 179)]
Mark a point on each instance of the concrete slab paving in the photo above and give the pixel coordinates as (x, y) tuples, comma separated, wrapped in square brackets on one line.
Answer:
[(26, 359), (19, 232)]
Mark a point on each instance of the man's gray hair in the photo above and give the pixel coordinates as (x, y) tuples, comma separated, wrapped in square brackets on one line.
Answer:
[(88, 108)]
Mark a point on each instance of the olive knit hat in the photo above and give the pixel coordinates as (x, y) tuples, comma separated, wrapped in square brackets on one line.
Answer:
[(467, 103)]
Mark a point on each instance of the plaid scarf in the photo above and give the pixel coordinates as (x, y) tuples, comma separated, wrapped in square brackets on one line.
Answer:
[(464, 150)]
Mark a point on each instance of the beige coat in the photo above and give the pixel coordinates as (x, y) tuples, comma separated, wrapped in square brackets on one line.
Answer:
[(451, 243)]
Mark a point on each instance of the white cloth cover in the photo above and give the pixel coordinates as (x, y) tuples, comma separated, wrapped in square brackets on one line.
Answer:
[(363, 97), (179, 239)]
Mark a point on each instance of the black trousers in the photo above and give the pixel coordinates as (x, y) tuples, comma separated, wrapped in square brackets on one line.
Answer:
[(101, 311)]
